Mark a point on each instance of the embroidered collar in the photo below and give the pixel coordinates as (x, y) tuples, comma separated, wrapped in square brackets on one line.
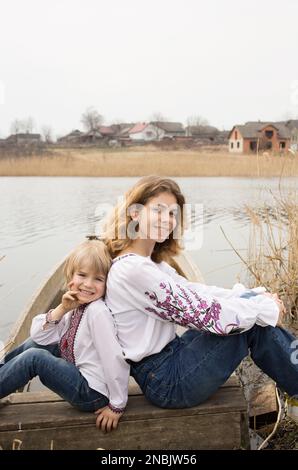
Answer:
[(66, 344), (118, 258), (123, 256)]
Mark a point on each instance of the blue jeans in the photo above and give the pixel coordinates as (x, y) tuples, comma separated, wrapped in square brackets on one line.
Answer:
[(192, 367), (64, 378)]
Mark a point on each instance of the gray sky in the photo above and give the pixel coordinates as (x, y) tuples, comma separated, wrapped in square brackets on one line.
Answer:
[(226, 60)]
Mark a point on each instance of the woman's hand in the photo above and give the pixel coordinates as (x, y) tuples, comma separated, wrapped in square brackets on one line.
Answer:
[(269, 294), (280, 304), (106, 419), (282, 312)]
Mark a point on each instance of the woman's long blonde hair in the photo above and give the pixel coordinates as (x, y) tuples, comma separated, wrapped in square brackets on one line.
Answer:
[(115, 229)]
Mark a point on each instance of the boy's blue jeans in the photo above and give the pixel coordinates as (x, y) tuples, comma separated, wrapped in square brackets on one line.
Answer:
[(192, 367), (64, 378)]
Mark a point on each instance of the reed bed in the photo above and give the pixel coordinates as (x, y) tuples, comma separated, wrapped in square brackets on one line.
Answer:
[(273, 249), (141, 161)]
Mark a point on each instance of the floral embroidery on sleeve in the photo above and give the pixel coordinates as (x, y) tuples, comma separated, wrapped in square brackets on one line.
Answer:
[(192, 312)]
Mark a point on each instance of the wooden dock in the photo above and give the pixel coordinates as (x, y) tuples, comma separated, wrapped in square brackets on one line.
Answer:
[(42, 420)]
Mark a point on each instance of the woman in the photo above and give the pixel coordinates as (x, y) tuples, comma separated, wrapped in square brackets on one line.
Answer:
[(147, 297)]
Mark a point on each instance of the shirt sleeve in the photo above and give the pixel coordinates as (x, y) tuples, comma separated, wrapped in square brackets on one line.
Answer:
[(111, 356), (49, 335), (196, 305), (237, 290)]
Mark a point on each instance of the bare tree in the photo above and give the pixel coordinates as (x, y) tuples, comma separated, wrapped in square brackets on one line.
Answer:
[(155, 119), (159, 117), (91, 119), (16, 126), (47, 134), (22, 125), (28, 124), (197, 121)]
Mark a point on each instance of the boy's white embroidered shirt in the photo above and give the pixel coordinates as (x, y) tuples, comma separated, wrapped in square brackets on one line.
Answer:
[(97, 352), (148, 299)]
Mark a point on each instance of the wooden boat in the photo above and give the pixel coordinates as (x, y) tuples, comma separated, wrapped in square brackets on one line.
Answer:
[(42, 420)]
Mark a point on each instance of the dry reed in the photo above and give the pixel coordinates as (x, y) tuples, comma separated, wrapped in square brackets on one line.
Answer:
[(141, 161), (273, 249)]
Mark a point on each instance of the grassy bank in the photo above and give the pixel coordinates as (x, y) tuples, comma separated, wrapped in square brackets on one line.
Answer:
[(147, 160)]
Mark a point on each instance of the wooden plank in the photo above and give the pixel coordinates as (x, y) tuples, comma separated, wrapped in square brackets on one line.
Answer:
[(262, 400), (244, 431), (59, 413), (23, 398), (212, 431)]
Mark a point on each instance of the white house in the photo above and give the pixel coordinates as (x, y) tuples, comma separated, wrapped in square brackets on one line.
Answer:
[(143, 131), (168, 129)]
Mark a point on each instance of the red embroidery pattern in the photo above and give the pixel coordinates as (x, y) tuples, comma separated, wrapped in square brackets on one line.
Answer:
[(116, 410), (67, 340)]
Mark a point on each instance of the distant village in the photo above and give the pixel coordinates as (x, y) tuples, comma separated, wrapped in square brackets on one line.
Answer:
[(251, 137)]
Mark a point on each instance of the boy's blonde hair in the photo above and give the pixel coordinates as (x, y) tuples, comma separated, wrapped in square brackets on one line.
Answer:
[(140, 193), (91, 253)]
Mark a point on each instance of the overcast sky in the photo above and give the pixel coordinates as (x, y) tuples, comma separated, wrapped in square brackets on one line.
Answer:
[(228, 61)]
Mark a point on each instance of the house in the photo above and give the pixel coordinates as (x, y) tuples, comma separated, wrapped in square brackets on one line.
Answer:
[(121, 134), (208, 133), (292, 125), (23, 139), (168, 130), (73, 137), (108, 132), (123, 130), (91, 137), (122, 127), (254, 136), (143, 132)]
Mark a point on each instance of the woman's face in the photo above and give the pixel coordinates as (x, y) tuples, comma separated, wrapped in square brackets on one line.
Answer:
[(158, 218)]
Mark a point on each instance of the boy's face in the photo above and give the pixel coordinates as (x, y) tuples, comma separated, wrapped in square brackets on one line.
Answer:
[(89, 285)]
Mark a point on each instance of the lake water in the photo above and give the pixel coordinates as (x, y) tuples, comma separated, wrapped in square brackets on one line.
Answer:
[(42, 218)]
